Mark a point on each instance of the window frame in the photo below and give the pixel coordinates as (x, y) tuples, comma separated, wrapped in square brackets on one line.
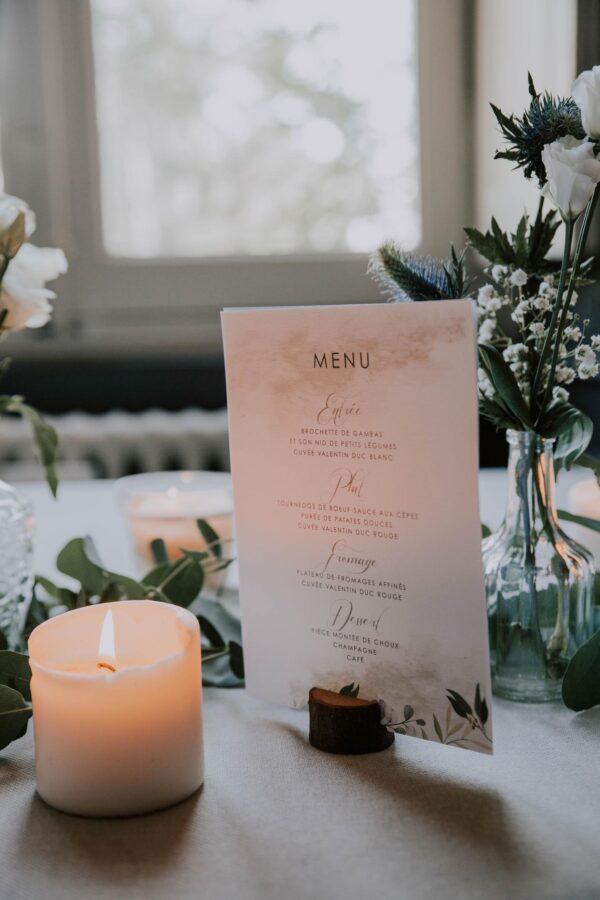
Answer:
[(119, 306)]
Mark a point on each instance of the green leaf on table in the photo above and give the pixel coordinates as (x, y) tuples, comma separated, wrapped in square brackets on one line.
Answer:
[(485, 531), (14, 715), (63, 596), (180, 582), (15, 672), (213, 541), (581, 682), (585, 521), (44, 436), (505, 384), (79, 560)]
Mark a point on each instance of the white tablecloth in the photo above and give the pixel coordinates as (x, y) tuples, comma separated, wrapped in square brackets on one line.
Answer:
[(279, 820)]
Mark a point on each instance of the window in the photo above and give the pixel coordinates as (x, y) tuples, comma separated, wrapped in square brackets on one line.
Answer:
[(196, 154), (236, 127)]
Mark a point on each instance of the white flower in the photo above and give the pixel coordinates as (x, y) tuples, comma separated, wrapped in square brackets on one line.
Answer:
[(595, 341), (17, 222), (518, 278), (572, 172), (545, 289), (485, 385), (519, 311), (515, 352), (485, 294), (585, 355), (586, 371), (586, 94), (542, 303), (22, 291), (498, 272), (564, 375), (559, 393), (572, 333), (486, 331), (537, 329)]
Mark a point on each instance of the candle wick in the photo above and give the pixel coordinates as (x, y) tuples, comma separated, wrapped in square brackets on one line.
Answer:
[(104, 665)]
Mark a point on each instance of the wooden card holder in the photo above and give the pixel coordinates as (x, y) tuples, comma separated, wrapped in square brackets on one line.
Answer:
[(341, 723)]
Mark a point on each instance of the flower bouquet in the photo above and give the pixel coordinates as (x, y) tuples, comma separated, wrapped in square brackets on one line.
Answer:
[(24, 302), (533, 345)]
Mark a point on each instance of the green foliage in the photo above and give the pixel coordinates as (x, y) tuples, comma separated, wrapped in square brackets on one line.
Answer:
[(15, 672), (572, 429), (581, 682), (14, 715), (44, 435), (547, 119), (406, 277), (584, 521), (510, 409), (526, 248)]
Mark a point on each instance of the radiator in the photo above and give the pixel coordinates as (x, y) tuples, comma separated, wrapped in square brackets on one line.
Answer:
[(119, 443)]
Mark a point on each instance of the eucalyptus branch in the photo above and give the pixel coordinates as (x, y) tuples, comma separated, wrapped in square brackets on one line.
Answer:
[(555, 312)]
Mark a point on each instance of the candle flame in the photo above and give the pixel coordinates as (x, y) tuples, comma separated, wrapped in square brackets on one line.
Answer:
[(106, 645)]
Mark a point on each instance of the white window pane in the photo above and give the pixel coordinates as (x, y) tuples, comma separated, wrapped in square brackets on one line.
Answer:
[(235, 127)]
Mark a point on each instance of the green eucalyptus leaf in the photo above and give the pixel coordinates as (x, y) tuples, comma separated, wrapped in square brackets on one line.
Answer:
[(181, 581), (15, 672), (63, 596), (211, 537), (485, 530), (79, 560), (44, 435), (14, 715), (581, 682)]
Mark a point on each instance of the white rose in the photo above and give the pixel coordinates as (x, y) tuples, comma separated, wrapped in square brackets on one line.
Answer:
[(17, 222), (586, 94), (572, 172), (23, 293)]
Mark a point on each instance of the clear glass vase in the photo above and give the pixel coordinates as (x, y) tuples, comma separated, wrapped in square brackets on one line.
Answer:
[(16, 562), (539, 582)]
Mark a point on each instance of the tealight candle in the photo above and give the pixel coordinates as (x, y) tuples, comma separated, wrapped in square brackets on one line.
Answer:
[(117, 704), (167, 505)]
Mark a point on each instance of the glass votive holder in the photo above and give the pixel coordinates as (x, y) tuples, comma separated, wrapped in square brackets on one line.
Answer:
[(167, 505)]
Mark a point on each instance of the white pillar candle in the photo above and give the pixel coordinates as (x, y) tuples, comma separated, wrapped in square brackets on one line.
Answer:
[(584, 500), (117, 708)]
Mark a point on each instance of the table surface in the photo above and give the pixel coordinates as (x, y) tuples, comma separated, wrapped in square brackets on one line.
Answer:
[(279, 820)]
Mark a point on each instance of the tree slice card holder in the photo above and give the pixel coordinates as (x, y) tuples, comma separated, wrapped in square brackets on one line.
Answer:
[(346, 724)]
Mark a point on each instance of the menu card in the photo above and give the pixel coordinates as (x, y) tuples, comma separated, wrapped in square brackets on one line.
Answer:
[(354, 450)]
